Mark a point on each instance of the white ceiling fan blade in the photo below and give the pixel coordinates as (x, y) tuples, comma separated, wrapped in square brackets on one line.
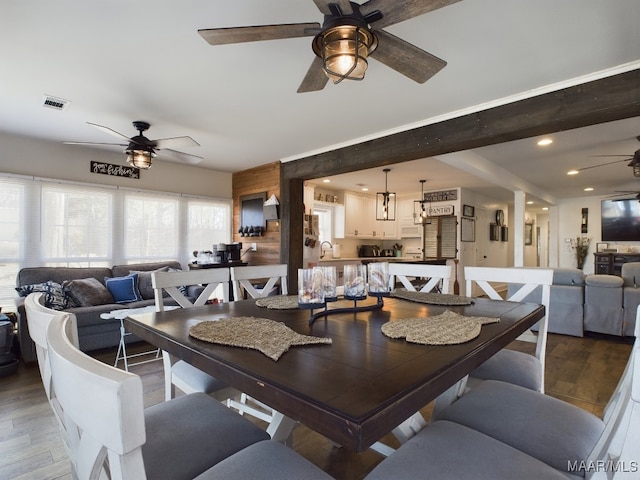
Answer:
[(174, 142), (110, 131), (97, 143), (181, 157)]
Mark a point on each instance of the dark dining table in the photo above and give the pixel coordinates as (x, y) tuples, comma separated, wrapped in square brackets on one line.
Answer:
[(354, 390)]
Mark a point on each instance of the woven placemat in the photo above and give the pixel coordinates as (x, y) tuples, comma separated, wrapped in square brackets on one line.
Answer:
[(431, 297), (448, 328), (267, 336), (279, 302)]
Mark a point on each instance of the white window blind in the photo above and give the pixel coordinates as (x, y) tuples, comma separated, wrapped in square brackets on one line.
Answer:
[(208, 223), (76, 225), (12, 233), (151, 227)]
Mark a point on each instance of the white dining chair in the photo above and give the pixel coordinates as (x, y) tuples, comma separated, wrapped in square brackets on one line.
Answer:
[(178, 373), (509, 365), (436, 276), (38, 319), (246, 278), (112, 435), (561, 435), (269, 276)]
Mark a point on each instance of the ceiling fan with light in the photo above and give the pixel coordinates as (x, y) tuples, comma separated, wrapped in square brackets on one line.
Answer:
[(349, 34), (634, 163), (140, 150)]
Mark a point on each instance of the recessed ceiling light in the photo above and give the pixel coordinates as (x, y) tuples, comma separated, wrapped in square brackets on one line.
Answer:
[(364, 189), (529, 202), (573, 172), (326, 180), (545, 208), (543, 142), (588, 189)]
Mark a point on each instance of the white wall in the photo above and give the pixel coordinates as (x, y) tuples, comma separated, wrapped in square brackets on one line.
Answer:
[(570, 215), (26, 156)]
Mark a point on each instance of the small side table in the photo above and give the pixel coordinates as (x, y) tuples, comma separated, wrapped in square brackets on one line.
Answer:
[(122, 345)]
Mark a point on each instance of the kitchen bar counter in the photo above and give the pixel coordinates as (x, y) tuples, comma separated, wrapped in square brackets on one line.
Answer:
[(365, 260)]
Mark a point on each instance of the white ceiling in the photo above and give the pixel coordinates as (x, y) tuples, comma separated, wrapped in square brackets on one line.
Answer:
[(121, 61)]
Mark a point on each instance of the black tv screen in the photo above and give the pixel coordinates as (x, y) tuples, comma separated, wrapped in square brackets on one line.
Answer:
[(621, 220)]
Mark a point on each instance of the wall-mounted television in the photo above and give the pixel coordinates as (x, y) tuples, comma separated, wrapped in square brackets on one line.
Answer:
[(621, 220)]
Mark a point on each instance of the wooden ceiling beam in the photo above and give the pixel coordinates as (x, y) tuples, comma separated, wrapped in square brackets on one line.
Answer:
[(599, 101)]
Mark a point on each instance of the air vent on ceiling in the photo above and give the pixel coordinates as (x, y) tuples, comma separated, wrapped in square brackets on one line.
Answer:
[(54, 102)]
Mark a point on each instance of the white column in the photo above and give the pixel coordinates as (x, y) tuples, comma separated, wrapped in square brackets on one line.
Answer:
[(519, 197)]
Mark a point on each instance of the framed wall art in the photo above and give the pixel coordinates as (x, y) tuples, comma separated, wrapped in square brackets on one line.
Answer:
[(468, 211)]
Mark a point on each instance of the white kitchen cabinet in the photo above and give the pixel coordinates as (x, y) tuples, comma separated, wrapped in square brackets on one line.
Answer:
[(359, 213), (406, 226)]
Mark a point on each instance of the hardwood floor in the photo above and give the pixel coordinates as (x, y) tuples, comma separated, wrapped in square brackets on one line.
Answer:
[(581, 371)]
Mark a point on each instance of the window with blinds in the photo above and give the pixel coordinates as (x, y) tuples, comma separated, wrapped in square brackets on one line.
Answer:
[(150, 227), (209, 223), (76, 225), (12, 233), (56, 223), (440, 237)]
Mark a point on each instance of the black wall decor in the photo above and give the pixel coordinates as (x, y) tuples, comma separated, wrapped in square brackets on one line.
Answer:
[(585, 220)]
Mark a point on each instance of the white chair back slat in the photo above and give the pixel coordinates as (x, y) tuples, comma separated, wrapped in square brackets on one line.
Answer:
[(615, 455), (529, 279), (38, 319), (171, 282), (93, 394), (242, 276), (436, 275)]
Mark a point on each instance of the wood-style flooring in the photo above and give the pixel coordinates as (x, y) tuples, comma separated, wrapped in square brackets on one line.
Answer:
[(581, 371)]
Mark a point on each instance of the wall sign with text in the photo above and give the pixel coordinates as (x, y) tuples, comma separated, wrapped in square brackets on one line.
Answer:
[(115, 170), (441, 196), (440, 211)]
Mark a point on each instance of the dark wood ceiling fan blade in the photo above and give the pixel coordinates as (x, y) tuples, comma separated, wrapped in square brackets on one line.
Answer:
[(315, 79), (181, 157), (605, 164), (225, 36), (323, 6), (110, 131), (395, 11), (406, 58), (175, 142)]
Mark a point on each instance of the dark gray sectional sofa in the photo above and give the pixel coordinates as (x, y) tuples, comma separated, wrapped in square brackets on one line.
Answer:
[(94, 332)]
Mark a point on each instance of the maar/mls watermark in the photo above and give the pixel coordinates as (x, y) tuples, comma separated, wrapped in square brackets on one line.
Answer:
[(607, 466)]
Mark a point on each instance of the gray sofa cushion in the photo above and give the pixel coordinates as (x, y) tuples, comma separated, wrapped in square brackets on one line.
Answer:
[(122, 270), (604, 281), (631, 274), (568, 276), (144, 281), (450, 451), (30, 275), (86, 292), (174, 452), (544, 427)]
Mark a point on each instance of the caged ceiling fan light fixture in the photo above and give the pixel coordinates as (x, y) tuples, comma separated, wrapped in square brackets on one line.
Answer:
[(386, 202), (344, 44)]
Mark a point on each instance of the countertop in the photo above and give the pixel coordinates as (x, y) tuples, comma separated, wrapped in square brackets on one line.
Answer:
[(410, 258)]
